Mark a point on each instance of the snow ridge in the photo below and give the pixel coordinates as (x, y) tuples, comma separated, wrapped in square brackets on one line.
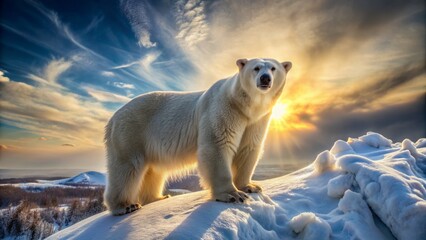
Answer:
[(363, 188)]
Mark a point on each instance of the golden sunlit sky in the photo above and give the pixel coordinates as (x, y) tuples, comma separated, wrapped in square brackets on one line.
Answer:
[(67, 66)]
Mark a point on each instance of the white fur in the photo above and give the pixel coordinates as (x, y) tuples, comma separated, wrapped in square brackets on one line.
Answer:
[(162, 133)]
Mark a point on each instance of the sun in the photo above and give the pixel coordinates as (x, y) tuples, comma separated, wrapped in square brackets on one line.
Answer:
[(279, 111)]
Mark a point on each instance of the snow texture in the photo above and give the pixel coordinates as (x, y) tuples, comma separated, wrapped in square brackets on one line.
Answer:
[(365, 188)]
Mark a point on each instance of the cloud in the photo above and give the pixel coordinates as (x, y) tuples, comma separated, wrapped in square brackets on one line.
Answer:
[(64, 29), (107, 74), (42, 138), (144, 68), (103, 96), (68, 145), (123, 85), (144, 39), (191, 22), (136, 13), (3, 78), (379, 88), (55, 68), (147, 61), (52, 114), (94, 23), (52, 71)]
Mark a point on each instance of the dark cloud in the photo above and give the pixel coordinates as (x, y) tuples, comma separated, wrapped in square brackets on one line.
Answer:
[(379, 88), (354, 20), (68, 145), (395, 122)]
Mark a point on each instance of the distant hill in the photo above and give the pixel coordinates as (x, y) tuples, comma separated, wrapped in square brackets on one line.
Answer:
[(86, 178)]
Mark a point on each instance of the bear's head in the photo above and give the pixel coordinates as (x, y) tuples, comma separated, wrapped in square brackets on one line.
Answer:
[(262, 75)]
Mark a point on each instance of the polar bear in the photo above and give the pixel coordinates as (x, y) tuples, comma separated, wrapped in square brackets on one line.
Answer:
[(222, 129)]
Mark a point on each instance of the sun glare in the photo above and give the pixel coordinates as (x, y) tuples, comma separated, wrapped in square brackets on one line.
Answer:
[(284, 117), (279, 111)]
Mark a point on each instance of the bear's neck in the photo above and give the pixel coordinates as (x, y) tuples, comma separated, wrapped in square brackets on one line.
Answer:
[(252, 107)]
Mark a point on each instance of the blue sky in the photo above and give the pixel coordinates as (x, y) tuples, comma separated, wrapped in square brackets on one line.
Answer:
[(66, 66)]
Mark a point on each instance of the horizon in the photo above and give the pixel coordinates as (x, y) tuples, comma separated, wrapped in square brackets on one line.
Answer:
[(357, 67)]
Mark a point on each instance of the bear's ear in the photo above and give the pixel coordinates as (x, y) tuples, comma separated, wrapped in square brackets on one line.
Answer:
[(241, 63), (287, 66)]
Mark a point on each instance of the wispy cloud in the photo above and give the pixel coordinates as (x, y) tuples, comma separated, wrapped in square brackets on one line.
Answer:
[(107, 74), (136, 13), (64, 29), (123, 85), (53, 114), (68, 145), (94, 23), (55, 68), (52, 72), (126, 65), (144, 68), (147, 61), (103, 96), (191, 22)]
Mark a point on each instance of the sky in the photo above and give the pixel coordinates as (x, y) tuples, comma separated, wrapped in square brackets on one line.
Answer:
[(67, 66)]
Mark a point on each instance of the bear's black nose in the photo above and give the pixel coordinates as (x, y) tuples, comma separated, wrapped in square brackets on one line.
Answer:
[(265, 79)]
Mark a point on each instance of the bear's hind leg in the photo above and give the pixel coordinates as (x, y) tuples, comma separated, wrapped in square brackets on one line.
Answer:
[(121, 193), (152, 186)]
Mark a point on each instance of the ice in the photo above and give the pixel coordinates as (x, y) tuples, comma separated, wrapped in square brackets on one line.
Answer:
[(365, 188)]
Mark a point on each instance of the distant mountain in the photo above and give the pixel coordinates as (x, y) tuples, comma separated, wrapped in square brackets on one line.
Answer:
[(86, 178)]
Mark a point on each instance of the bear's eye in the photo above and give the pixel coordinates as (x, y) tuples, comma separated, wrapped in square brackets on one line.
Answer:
[(273, 69), (257, 69)]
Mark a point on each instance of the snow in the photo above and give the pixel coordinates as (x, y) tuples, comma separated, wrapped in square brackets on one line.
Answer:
[(86, 178), (364, 188), (324, 162), (90, 178)]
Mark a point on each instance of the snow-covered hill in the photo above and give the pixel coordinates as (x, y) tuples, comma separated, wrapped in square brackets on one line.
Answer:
[(90, 178), (86, 178), (364, 188)]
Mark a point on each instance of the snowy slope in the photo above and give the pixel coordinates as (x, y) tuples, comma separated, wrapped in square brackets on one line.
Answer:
[(365, 188)]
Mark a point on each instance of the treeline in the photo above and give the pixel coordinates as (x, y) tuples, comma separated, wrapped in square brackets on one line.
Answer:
[(31, 220), (47, 197), (27, 179)]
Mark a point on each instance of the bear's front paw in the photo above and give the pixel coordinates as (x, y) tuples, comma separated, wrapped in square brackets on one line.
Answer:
[(251, 188), (126, 210), (231, 197)]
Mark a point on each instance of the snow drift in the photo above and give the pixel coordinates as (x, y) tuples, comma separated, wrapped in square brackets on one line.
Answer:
[(364, 188)]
